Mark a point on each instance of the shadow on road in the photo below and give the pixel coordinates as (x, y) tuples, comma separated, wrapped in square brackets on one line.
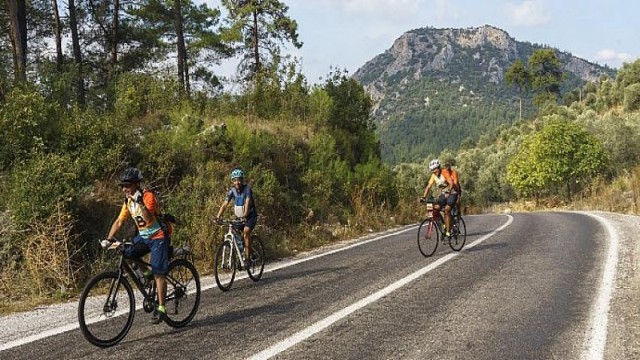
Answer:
[(482, 247), (281, 275)]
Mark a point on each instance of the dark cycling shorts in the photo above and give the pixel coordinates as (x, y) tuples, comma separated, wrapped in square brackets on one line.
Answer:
[(159, 249), (450, 200), (250, 223)]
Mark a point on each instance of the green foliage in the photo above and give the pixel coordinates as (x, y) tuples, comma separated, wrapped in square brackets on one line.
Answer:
[(561, 156), (632, 97), (29, 124), (138, 94), (518, 76), (628, 75), (349, 117), (35, 187), (259, 28), (546, 76)]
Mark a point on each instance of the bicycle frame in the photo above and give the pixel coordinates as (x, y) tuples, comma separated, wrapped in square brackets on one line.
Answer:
[(436, 215), (232, 236)]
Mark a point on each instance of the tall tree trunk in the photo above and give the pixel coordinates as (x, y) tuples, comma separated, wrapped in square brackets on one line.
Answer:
[(256, 49), (520, 108), (77, 54), (114, 34), (182, 75), (18, 22), (57, 30)]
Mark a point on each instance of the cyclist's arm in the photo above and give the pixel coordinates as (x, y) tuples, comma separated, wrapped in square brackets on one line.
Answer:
[(428, 188), (122, 217), (246, 207), (223, 207), (114, 228)]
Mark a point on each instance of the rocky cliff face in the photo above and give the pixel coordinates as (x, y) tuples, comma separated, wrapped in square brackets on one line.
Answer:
[(470, 63)]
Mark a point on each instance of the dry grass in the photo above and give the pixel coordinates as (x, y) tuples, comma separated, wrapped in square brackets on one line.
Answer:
[(49, 269), (622, 195)]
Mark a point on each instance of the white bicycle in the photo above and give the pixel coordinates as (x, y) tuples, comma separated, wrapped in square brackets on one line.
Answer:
[(229, 259)]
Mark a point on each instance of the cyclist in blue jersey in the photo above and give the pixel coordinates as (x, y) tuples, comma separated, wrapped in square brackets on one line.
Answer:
[(244, 207)]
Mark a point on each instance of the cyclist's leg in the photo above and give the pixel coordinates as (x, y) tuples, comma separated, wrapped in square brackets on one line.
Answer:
[(138, 250), (246, 233), (451, 202), (160, 265)]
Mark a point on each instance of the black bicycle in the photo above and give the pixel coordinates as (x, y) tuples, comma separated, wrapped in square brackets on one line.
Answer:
[(432, 230), (107, 304)]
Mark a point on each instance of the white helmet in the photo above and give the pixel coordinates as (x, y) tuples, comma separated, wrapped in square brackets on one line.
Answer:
[(434, 164)]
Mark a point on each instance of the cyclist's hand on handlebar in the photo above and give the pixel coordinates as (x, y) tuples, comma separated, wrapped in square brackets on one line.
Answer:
[(105, 243)]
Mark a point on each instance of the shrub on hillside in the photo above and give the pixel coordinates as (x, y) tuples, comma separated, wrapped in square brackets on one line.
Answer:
[(632, 97), (29, 124)]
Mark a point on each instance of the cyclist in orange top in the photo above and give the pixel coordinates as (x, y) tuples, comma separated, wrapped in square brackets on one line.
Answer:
[(448, 193), (141, 205), (449, 172)]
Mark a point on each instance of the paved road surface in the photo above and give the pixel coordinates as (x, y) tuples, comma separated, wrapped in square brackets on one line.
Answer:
[(525, 287)]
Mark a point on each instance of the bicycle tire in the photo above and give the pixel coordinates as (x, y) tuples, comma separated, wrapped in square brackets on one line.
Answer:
[(457, 241), (224, 265), (97, 314), (183, 293), (428, 243), (257, 255)]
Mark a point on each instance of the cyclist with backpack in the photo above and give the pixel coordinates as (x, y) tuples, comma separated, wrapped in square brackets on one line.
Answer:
[(451, 173), (448, 192), (141, 205), (244, 207)]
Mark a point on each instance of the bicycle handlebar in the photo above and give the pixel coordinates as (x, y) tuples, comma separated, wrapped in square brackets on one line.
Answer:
[(429, 200), (238, 221), (114, 244)]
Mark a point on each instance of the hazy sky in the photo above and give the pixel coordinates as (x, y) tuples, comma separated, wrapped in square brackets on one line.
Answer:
[(348, 33)]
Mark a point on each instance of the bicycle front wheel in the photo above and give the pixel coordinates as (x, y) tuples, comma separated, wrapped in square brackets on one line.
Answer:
[(428, 237), (106, 309), (459, 234), (224, 267), (257, 259), (183, 293)]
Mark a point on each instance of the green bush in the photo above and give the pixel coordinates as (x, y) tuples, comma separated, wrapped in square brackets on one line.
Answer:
[(36, 186), (29, 124), (632, 97)]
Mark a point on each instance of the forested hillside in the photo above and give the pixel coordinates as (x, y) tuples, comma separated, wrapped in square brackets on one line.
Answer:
[(582, 155), (444, 88)]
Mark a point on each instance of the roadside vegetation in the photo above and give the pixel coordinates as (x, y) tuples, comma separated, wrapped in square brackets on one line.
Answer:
[(72, 122)]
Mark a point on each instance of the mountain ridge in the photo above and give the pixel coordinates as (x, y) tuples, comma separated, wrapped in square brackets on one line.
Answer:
[(444, 76)]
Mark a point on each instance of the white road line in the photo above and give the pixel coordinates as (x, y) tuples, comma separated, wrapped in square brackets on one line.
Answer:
[(284, 264), (328, 321), (596, 341), (280, 265)]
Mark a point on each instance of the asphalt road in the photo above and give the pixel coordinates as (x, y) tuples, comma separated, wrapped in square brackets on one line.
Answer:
[(526, 291)]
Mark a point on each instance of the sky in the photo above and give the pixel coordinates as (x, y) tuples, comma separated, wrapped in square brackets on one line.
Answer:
[(348, 33)]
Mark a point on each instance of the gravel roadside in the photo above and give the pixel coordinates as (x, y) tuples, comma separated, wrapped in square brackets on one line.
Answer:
[(623, 332)]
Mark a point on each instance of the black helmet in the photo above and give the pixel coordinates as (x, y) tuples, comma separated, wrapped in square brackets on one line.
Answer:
[(130, 175)]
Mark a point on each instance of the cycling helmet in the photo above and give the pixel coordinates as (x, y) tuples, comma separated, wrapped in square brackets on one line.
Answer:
[(130, 175), (434, 164), (237, 173)]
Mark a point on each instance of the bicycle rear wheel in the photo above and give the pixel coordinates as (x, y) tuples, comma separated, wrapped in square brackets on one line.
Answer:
[(224, 267), (183, 293), (459, 233), (428, 237), (257, 258), (106, 309)]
